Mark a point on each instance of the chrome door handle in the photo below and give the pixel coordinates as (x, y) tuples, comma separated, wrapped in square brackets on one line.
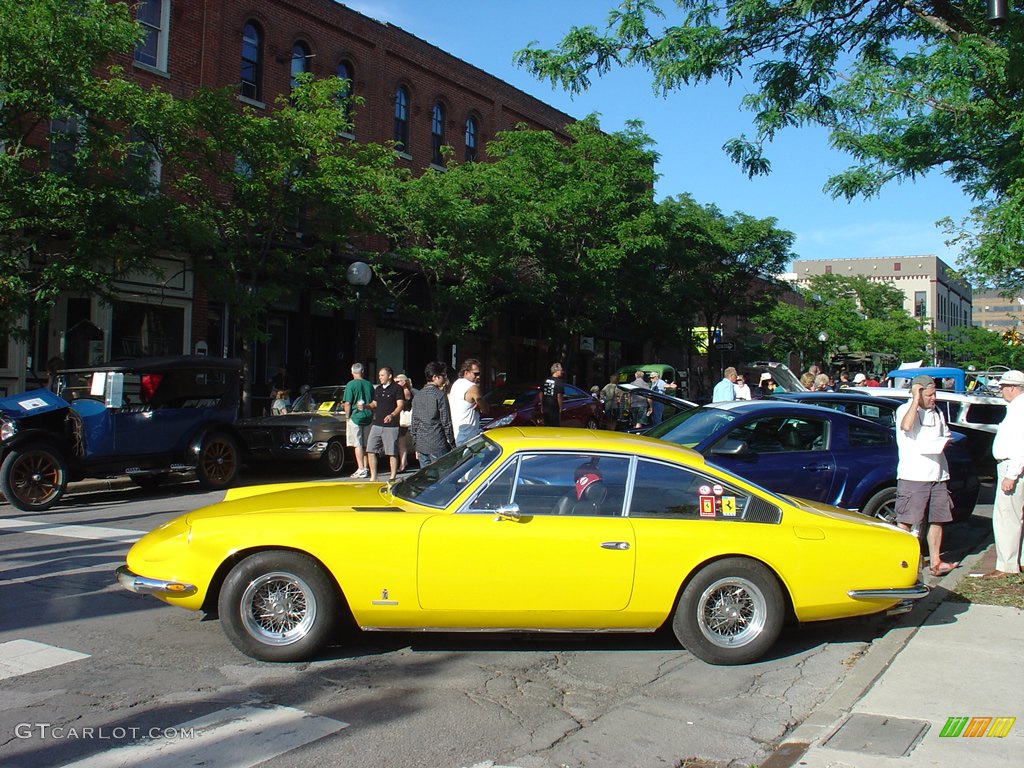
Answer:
[(818, 467), (614, 545)]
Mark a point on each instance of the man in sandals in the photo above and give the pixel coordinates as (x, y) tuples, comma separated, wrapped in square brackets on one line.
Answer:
[(921, 475)]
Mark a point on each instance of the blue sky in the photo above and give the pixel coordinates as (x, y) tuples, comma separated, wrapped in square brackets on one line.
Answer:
[(689, 128)]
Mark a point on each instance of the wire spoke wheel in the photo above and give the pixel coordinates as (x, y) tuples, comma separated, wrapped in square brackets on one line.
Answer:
[(33, 478), (732, 612), (278, 608), (218, 462)]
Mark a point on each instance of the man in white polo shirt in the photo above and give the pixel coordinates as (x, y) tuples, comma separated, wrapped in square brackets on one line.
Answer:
[(922, 473), (1008, 451)]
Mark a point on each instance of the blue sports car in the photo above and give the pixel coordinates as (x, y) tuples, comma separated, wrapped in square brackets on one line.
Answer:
[(811, 452)]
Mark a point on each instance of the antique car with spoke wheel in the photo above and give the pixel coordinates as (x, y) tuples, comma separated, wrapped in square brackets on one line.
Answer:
[(312, 432), (143, 418), (528, 529)]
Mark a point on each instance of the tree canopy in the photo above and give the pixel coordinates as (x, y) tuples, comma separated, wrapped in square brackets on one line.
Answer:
[(903, 87)]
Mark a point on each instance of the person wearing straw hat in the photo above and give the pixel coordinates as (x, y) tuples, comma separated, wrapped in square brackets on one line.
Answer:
[(1008, 451), (922, 473)]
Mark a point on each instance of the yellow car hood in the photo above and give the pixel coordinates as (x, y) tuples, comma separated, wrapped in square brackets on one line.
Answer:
[(307, 496)]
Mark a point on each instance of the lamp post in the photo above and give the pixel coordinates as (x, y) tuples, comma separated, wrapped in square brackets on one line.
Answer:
[(358, 274), (823, 337)]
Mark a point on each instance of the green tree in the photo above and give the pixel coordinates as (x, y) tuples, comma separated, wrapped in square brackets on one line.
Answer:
[(855, 313), (904, 88), (714, 265), (573, 216), (76, 212), (266, 203)]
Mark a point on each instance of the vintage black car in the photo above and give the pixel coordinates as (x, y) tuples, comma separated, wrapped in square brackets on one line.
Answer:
[(144, 418), (312, 431)]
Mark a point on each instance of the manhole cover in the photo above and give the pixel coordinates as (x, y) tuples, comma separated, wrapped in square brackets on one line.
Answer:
[(878, 735)]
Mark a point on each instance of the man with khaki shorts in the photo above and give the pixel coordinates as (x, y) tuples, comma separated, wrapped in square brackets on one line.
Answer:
[(356, 402)]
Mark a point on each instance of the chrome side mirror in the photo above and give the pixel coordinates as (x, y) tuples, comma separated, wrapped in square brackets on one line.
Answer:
[(507, 512)]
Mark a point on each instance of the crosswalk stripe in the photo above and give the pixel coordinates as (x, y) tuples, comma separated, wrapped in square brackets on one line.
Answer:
[(91, 532), (20, 657), (236, 737)]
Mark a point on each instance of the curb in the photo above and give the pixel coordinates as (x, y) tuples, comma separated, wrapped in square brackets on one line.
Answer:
[(880, 654)]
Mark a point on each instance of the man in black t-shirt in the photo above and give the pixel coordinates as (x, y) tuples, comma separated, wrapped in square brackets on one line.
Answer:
[(388, 402), (552, 395)]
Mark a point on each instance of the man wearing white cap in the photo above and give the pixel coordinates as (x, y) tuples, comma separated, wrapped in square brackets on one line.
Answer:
[(1008, 451), (922, 472), (859, 380)]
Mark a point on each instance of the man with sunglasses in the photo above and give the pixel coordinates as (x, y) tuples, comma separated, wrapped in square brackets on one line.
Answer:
[(466, 401)]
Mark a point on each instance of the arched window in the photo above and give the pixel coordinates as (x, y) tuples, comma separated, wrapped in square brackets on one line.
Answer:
[(346, 73), (252, 62), (472, 131), (300, 61), (437, 134), (401, 135)]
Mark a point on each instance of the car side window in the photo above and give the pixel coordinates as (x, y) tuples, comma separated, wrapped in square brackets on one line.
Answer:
[(781, 434), (863, 436), (579, 484), (667, 491)]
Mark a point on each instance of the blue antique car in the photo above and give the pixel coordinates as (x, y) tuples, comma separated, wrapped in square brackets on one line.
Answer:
[(142, 418)]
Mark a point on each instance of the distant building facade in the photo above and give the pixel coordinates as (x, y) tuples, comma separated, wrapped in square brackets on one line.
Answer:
[(934, 295)]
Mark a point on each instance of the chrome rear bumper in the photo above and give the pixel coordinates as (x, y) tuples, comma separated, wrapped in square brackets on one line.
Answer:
[(915, 592)]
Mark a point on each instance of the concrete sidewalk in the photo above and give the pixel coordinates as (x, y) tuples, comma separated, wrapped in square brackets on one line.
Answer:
[(963, 661)]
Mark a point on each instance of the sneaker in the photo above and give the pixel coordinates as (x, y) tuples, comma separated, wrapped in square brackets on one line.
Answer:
[(361, 473)]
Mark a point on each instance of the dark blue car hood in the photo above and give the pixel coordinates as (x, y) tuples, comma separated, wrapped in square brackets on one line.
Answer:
[(32, 403)]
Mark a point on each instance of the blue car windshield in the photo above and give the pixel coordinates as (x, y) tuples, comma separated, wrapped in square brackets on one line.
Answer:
[(438, 484), (691, 427)]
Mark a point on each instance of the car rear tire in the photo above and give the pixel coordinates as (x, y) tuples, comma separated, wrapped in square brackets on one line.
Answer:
[(218, 461), (882, 506), (332, 462), (278, 606), (732, 612), (33, 478)]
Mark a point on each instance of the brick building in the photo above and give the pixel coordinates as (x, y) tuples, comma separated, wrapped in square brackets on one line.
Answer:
[(414, 94)]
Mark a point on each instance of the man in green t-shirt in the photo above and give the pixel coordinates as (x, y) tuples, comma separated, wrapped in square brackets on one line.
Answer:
[(356, 402)]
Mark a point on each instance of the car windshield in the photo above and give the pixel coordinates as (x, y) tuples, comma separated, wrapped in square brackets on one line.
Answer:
[(438, 484), (691, 427), (324, 399), (512, 396)]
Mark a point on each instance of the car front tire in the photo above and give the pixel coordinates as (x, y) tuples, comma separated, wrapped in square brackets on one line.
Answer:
[(278, 606), (732, 612), (218, 462), (33, 478), (333, 460)]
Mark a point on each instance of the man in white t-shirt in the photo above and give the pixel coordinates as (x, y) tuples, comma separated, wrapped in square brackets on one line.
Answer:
[(466, 402), (1008, 451), (922, 473)]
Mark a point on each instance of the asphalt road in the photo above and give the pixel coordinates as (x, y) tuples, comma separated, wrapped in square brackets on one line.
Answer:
[(94, 676)]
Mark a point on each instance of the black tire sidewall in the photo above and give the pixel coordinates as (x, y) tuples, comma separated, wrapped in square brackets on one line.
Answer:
[(324, 591), (325, 462), (13, 456), (873, 504), (687, 629)]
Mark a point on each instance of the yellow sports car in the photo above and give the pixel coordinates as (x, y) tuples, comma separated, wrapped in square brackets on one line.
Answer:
[(528, 529)]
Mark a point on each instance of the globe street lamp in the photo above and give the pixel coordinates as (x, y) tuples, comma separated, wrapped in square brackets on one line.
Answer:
[(823, 337), (358, 274)]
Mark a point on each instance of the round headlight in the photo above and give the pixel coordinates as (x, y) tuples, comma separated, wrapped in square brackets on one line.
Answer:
[(293, 438), (307, 438), (7, 429)]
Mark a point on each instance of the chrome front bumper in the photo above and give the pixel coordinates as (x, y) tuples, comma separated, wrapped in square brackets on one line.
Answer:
[(160, 587)]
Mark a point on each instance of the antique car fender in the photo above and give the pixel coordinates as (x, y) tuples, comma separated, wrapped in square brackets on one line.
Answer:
[(195, 445), (40, 437)]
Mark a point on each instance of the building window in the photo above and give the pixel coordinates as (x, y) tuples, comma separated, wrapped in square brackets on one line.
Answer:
[(64, 134), (472, 131), (345, 73), (920, 304), (145, 166), (437, 134), (252, 62), (401, 133), (828, 269), (300, 62), (896, 266), (153, 16)]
